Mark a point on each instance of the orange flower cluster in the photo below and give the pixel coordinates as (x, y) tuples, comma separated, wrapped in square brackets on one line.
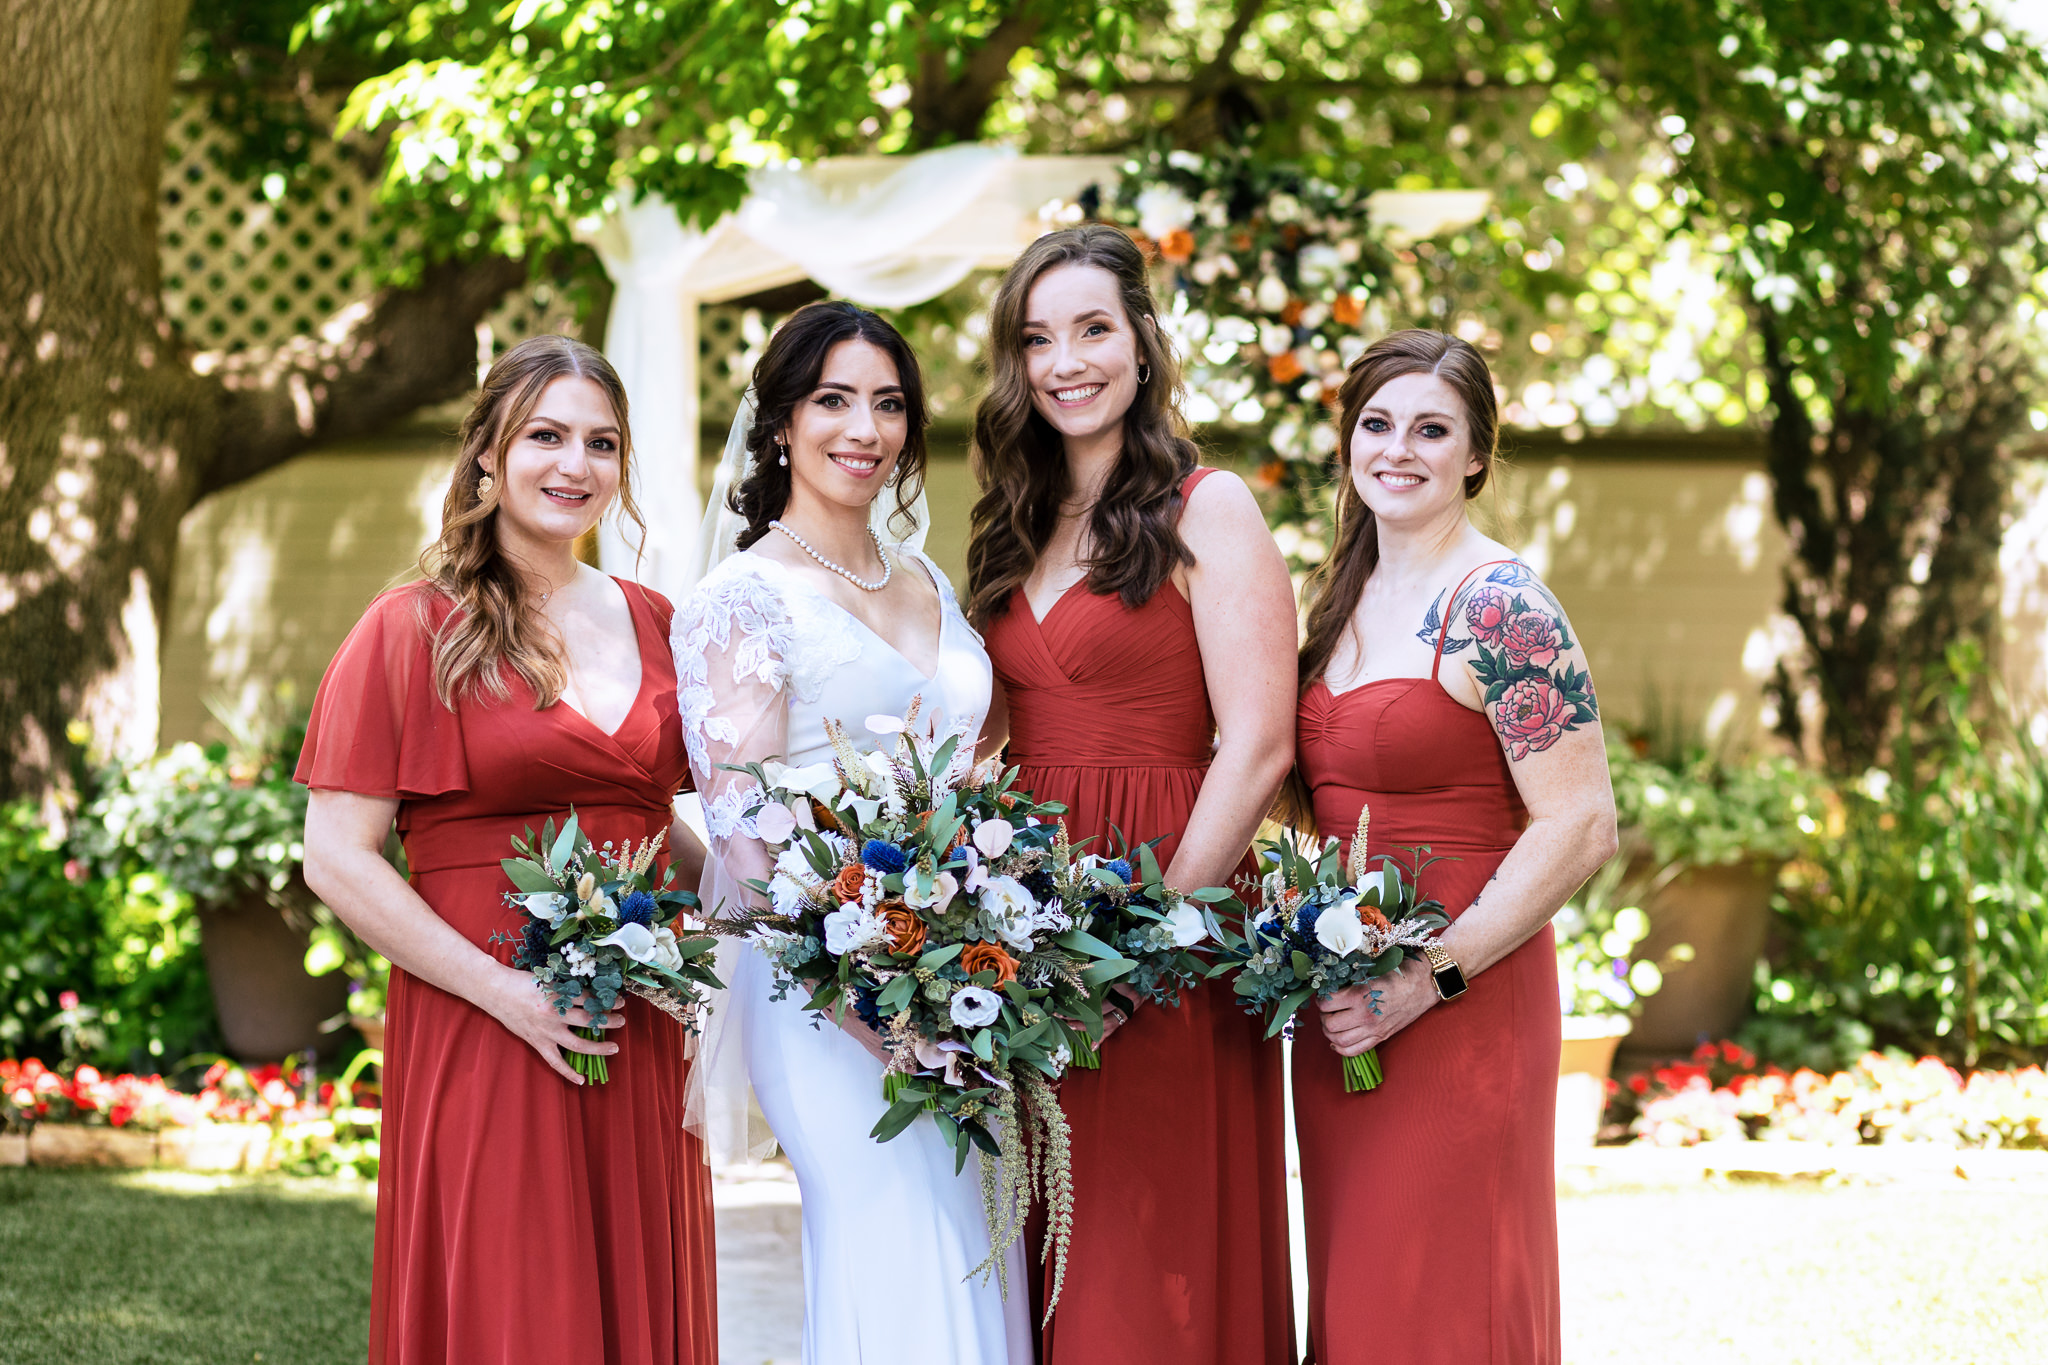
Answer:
[(1284, 368), (1178, 246)]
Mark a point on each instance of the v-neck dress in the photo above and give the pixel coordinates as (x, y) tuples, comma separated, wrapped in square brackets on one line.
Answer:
[(891, 1229), (1179, 1247), (521, 1220), (1448, 1163)]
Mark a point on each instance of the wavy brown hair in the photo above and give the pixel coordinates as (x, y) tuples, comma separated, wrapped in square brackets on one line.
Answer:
[(789, 370), (495, 625), (1020, 463), (1331, 593)]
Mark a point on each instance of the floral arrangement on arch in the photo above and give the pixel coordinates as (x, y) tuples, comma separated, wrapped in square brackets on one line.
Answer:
[(1269, 282)]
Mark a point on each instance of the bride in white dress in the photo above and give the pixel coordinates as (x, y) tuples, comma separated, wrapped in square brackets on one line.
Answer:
[(813, 619)]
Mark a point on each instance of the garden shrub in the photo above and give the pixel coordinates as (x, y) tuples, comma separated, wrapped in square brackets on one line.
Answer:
[(127, 946)]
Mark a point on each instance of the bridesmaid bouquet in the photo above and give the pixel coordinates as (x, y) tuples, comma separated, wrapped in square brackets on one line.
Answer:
[(930, 896), (597, 925), (1125, 904), (1325, 924)]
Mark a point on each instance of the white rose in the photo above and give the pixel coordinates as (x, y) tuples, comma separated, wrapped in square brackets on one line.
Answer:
[(993, 837), (1186, 923), (666, 955), (945, 886), (1338, 929), (1012, 908), (1161, 209), (775, 824), (1271, 294), (976, 1006)]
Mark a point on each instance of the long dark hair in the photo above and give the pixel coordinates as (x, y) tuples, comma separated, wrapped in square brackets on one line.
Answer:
[(1332, 591), (1020, 463), (494, 624), (789, 369)]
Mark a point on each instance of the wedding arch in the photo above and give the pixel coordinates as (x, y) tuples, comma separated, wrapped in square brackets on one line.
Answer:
[(886, 232)]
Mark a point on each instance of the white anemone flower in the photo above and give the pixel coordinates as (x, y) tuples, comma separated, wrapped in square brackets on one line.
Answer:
[(850, 928), (976, 1007)]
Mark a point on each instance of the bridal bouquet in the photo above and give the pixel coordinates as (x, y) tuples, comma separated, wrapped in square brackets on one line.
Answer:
[(923, 892), (597, 925), (1325, 924), (1125, 904)]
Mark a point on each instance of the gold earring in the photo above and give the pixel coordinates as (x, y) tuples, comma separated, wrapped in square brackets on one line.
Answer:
[(484, 487)]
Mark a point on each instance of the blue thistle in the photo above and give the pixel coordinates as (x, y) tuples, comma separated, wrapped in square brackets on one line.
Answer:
[(638, 908), (1305, 918), (883, 857), (1120, 867), (1042, 886), (533, 941)]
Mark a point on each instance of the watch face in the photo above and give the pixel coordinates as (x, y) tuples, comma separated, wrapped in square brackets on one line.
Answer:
[(1450, 981)]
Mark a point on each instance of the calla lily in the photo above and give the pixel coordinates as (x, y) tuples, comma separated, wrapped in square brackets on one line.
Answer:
[(637, 941), (1376, 887), (551, 906), (1186, 923), (1338, 927), (993, 837), (812, 779)]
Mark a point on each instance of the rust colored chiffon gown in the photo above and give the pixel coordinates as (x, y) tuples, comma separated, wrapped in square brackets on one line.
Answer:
[(521, 1220), (1431, 1201), (1179, 1249)]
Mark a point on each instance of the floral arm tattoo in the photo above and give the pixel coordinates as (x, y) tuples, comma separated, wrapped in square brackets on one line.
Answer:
[(1517, 634)]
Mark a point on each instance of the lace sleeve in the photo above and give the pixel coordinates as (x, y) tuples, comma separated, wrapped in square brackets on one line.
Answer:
[(732, 640)]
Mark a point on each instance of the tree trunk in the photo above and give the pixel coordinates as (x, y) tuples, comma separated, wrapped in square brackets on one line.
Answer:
[(98, 418), (107, 435)]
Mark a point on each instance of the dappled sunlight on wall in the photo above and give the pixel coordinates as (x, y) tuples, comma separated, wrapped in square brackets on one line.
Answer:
[(272, 574)]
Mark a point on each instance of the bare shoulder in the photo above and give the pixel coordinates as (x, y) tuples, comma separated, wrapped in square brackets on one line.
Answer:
[(1221, 510)]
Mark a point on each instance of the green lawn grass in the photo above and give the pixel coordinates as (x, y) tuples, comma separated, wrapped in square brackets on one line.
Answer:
[(166, 1268)]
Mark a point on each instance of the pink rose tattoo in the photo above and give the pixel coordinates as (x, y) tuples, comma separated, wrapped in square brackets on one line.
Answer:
[(1530, 637), (1486, 611), (1533, 714)]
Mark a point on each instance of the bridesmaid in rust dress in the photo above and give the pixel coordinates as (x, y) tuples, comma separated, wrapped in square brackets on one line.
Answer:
[(522, 1216), (1141, 625), (1443, 688)]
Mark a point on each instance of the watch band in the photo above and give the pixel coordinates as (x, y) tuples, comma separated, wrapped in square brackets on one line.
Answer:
[(1444, 970)]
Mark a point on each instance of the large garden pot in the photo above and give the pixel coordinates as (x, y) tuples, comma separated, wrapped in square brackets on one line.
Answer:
[(13, 1149), (1724, 913), (268, 1006), (1583, 1065), (215, 1147)]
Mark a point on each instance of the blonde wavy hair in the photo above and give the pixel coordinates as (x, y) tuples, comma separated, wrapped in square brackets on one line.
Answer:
[(494, 625)]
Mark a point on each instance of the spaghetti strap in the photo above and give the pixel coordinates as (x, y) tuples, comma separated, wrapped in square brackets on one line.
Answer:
[(1443, 629), (1193, 477)]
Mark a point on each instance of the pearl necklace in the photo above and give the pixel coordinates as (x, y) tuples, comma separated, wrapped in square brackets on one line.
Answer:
[(840, 569)]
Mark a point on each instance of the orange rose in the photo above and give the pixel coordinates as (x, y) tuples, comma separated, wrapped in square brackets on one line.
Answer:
[(1291, 314), (1348, 310), (848, 883), (1271, 472), (1177, 246), (1372, 918), (1284, 368), (822, 813), (906, 930), (988, 957)]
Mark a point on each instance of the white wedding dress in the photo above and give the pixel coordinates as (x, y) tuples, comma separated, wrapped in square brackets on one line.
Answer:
[(889, 1231)]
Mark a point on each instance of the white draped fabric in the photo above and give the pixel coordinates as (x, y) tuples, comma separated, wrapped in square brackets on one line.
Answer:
[(882, 231)]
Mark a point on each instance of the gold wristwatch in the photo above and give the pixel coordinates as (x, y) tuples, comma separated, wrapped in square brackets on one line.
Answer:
[(1443, 969)]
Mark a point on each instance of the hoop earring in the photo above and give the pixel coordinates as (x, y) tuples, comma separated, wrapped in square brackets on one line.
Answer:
[(1144, 374), (484, 487)]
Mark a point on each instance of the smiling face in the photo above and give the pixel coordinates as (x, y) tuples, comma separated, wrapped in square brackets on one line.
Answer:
[(844, 436), (1412, 451), (563, 465), (1080, 352)]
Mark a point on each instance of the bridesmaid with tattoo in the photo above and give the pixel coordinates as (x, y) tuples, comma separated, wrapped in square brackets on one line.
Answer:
[(1443, 687)]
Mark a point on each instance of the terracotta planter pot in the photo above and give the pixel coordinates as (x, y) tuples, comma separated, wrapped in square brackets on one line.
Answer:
[(268, 1006), (215, 1147), (1724, 913), (1582, 1069), (13, 1149), (75, 1144)]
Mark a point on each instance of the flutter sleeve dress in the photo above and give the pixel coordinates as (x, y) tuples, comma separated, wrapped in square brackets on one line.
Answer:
[(521, 1220)]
